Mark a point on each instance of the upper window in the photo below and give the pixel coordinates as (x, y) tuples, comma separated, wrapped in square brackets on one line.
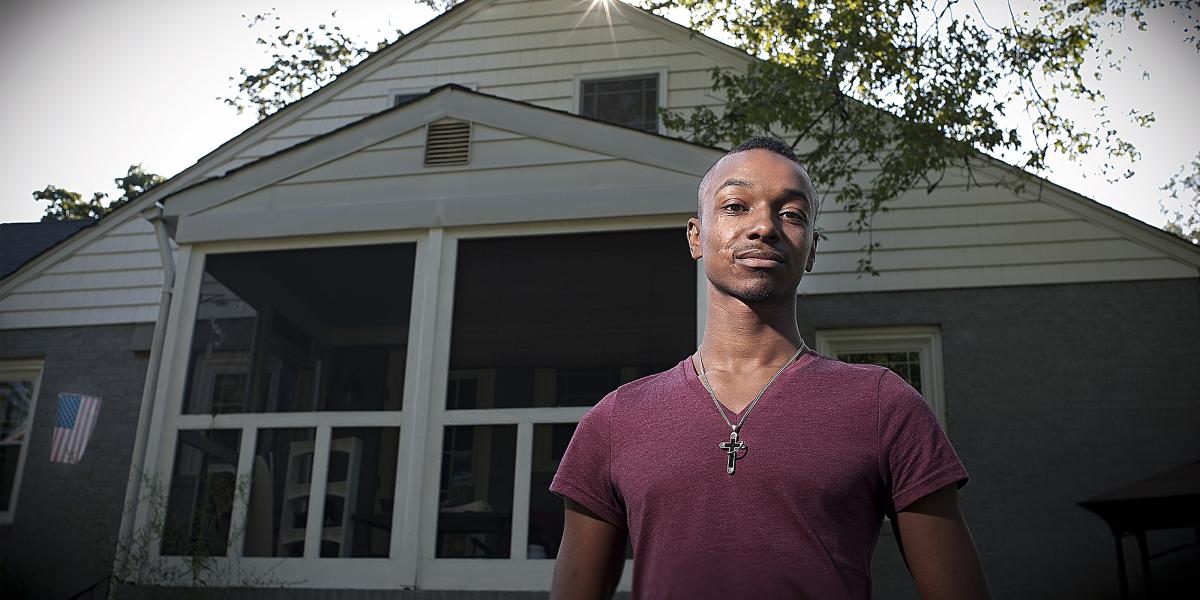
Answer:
[(18, 396), (398, 99), (398, 96), (913, 353), (629, 101)]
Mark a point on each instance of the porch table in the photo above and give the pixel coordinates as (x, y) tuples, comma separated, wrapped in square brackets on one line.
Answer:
[(1168, 500)]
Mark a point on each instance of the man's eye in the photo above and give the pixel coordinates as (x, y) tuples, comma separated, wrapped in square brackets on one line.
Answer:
[(792, 215), (734, 207)]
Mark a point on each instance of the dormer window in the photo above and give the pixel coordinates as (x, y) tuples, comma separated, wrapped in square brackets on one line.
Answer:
[(631, 101)]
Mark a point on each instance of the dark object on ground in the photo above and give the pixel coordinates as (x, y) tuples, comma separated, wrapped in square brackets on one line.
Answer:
[(1168, 500)]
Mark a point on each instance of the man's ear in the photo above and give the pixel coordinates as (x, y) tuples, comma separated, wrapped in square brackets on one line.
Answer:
[(693, 238)]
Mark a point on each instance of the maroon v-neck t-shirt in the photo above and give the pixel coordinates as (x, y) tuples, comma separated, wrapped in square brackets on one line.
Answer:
[(831, 448)]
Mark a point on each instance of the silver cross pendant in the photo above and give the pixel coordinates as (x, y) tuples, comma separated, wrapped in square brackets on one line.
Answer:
[(731, 448)]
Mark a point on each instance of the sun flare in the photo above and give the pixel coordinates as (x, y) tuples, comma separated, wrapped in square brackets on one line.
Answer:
[(608, 6)]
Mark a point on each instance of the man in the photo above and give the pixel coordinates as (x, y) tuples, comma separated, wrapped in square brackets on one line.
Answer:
[(757, 468)]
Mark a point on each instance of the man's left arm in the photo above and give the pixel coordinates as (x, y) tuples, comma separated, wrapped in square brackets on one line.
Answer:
[(936, 544)]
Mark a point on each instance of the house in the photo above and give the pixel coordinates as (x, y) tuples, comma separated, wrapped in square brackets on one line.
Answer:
[(344, 351)]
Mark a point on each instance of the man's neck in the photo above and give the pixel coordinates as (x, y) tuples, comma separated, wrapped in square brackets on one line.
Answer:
[(743, 337)]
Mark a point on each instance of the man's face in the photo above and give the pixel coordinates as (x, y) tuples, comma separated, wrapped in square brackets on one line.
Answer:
[(755, 234)]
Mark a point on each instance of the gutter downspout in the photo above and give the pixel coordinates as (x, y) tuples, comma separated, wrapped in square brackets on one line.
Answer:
[(133, 486)]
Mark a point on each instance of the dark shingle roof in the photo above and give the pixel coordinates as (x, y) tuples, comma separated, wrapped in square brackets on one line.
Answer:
[(21, 242)]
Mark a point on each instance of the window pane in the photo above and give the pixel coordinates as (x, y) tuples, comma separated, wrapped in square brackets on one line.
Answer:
[(321, 329), (475, 498), (9, 453), (16, 398), (359, 492), (279, 492), (628, 101), (905, 364), (203, 486), (399, 99), (546, 508), (531, 328)]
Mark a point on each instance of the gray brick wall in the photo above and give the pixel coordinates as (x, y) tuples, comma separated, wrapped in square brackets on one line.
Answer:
[(154, 593), (67, 517), (1054, 394)]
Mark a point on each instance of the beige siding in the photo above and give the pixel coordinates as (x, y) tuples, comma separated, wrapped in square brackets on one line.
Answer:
[(116, 278), (503, 164), (499, 154), (955, 236), (528, 51), (999, 275), (984, 236)]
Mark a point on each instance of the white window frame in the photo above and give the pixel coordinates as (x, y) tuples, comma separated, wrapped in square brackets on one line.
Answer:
[(21, 370), (926, 341), (422, 422), (206, 373), (395, 572), (517, 573), (661, 72)]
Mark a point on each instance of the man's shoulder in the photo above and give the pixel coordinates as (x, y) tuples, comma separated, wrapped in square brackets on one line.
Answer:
[(889, 391), (837, 371), (639, 390), (647, 385)]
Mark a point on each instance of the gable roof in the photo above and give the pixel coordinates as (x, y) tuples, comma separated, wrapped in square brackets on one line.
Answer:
[(700, 43), (230, 148), (454, 100), (197, 209)]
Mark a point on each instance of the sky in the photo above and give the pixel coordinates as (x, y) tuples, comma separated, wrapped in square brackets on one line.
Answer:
[(91, 87)]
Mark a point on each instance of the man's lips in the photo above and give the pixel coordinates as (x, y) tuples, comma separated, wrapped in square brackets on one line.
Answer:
[(759, 257)]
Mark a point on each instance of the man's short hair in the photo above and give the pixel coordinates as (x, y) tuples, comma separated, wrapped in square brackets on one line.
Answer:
[(769, 144)]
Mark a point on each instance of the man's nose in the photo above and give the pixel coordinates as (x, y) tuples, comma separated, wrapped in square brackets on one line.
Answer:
[(763, 225)]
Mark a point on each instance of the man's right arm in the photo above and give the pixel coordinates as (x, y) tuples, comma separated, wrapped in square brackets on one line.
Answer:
[(590, 558)]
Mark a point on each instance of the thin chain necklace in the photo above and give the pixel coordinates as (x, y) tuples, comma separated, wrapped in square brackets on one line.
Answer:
[(735, 445)]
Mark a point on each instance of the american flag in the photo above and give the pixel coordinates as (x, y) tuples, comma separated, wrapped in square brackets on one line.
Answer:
[(76, 418)]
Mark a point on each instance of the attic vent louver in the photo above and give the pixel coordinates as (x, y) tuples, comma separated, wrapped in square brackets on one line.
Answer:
[(447, 142)]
